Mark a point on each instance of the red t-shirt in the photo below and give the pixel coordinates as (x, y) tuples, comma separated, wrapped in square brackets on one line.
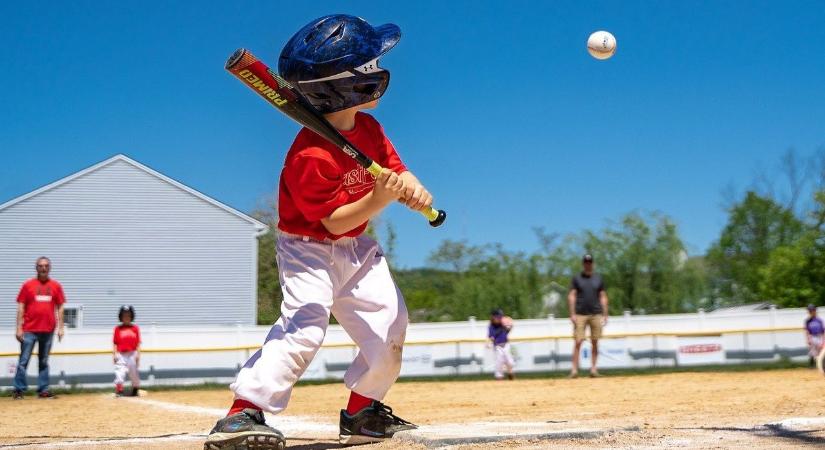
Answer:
[(319, 178), (126, 337), (40, 300)]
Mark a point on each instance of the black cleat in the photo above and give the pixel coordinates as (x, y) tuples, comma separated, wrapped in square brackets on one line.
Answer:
[(46, 395), (374, 423), (18, 395), (246, 430)]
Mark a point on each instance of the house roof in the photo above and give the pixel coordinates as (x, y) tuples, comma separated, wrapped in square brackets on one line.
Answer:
[(261, 227)]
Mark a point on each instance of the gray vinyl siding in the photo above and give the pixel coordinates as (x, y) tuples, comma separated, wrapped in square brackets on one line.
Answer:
[(121, 235)]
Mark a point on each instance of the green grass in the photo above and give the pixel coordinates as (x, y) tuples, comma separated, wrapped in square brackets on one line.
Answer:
[(784, 364)]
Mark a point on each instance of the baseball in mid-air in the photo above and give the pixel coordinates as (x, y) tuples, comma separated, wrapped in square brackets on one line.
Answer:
[(601, 45)]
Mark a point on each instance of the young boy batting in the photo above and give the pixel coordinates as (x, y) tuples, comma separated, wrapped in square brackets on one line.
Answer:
[(326, 263), (126, 351)]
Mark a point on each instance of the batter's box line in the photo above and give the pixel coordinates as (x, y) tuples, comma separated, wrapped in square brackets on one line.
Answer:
[(444, 442), (107, 440), (289, 425)]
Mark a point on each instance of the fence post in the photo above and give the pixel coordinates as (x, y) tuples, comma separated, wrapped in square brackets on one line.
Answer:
[(153, 333), (457, 356), (745, 344), (655, 355), (772, 322), (238, 333), (554, 345)]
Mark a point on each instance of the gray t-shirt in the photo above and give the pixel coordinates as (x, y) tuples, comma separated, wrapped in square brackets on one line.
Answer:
[(587, 293)]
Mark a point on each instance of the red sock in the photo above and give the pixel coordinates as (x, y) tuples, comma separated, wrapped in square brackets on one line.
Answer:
[(119, 388), (357, 402), (239, 405)]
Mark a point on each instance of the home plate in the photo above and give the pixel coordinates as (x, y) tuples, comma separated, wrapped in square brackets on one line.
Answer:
[(482, 432)]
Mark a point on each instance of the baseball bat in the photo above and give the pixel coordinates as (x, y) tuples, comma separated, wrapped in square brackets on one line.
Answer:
[(282, 95)]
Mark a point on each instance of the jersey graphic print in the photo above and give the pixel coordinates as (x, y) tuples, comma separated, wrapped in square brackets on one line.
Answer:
[(358, 180)]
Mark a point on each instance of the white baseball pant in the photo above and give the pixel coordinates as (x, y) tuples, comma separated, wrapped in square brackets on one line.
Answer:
[(504, 360), (815, 346), (126, 363), (350, 278)]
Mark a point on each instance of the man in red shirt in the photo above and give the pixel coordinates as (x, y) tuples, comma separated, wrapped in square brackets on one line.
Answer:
[(37, 302)]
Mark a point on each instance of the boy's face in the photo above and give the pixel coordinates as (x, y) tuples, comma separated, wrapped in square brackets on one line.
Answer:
[(495, 319), (127, 319)]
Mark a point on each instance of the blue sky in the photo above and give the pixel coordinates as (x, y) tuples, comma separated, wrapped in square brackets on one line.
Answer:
[(495, 105)]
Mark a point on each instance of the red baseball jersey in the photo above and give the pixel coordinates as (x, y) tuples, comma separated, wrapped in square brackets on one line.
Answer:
[(40, 300), (319, 178), (126, 338)]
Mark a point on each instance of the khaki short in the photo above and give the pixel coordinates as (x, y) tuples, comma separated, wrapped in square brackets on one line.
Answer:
[(594, 321)]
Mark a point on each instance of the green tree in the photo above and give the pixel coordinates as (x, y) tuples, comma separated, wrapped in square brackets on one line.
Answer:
[(756, 227), (269, 285)]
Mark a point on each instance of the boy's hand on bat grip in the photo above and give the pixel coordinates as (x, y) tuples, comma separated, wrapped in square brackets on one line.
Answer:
[(416, 197), (388, 187)]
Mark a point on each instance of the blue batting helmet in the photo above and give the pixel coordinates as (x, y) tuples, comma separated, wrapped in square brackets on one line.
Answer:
[(333, 61)]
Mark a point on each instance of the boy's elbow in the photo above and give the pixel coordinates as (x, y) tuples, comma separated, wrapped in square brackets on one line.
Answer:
[(333, 226)]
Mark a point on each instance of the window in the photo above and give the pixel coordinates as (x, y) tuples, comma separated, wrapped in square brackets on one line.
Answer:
[(73, 316)]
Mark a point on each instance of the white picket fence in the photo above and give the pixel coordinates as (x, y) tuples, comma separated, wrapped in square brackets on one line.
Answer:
[(184, 355)]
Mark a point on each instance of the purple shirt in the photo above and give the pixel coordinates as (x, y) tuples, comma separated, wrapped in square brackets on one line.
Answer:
[(814, 326), (498, 334)]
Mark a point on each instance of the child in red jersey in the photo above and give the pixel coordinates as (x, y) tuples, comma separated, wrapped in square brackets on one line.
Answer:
[(326, 263), (126, 351)]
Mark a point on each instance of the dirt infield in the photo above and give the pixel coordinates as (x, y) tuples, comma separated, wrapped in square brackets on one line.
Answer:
[(686, 410)]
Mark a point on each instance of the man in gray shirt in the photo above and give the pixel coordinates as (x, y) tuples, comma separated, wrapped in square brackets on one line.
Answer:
[(588, 308)]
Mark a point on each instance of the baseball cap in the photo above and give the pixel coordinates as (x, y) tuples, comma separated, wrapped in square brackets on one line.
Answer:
[(497, 312), (811, 307), (587, 258)]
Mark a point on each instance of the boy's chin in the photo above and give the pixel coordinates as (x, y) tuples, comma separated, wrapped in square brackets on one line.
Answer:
[(369, 105)]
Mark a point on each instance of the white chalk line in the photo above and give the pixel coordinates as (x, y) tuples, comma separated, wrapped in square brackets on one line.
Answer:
[(108, 441), (289, 425), (799, 422)]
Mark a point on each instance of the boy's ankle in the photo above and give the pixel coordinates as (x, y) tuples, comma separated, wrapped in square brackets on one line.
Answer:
[(239, 405), (357, 402)]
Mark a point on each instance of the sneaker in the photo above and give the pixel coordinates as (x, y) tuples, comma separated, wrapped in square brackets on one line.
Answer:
[(133, 393), (18, 395), (46, 395), (374, 423), (246, 430)]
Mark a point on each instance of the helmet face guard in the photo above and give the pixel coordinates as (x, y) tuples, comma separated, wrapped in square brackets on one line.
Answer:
[(333, 61), (347, 89)]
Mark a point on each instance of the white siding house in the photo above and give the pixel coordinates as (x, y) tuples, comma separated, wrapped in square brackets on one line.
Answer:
[(121, 233)]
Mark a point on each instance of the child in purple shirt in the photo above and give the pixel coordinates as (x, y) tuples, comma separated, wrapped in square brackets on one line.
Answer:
[(500, 326), (814, 330)]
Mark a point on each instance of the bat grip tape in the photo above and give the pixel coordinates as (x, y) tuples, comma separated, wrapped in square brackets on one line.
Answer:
[(430, 213)]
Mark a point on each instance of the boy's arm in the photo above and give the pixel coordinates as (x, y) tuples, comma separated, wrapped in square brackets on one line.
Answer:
[(388, 187), (114, 353)]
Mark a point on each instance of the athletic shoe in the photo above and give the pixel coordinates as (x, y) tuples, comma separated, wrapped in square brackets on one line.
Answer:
[(133, 393), (18, 395), (374, 423), (246, 430), (46, 395)]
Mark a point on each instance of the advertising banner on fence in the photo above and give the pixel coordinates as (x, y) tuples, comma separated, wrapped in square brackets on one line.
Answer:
[(417, 360), (612, 353), (697, 350)]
